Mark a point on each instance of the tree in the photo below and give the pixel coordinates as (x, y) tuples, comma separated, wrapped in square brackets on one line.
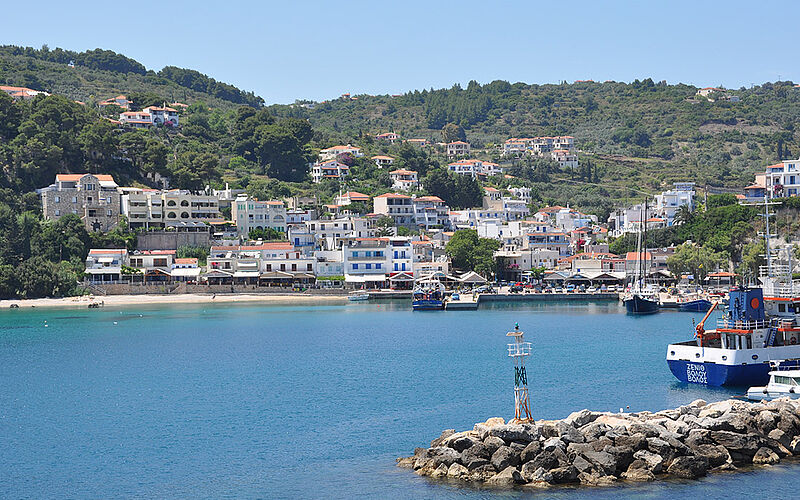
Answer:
[(682, 215), (468, 252), (693, 259), (266, 234), (385, 225), (452, 132), (458, 191)]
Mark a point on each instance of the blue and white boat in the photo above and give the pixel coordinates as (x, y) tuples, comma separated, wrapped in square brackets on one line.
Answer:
[(696, 305), (428, 296)]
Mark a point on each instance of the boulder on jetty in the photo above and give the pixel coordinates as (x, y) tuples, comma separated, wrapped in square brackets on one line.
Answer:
[(601, 448)]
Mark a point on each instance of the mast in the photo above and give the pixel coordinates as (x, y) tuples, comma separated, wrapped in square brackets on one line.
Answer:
[(644, 244)]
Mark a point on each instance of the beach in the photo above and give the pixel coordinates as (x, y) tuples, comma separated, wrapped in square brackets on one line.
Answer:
[(185, 298)]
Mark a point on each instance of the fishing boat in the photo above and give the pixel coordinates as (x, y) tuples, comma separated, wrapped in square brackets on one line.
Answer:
[(428, 296), (642, 298), (761, 326), (695, 305), (358, 296), (783, 382)]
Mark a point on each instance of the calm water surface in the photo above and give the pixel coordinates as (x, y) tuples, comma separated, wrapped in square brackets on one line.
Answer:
[(312, 402)]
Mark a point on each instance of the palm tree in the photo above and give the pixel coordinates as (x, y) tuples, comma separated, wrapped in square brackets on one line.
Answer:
[(683, 215)]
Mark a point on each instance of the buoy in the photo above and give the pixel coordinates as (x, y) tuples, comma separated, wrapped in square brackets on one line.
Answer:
[(115, 322), (621, 410)]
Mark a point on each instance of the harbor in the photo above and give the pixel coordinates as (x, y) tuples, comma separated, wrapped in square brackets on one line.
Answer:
[(230, 370)]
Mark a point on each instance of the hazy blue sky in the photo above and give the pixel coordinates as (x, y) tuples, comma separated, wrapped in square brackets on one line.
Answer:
[(302, 49)]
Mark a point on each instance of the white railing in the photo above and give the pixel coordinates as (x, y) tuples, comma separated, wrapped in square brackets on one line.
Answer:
[(519, 349), (741, 325)]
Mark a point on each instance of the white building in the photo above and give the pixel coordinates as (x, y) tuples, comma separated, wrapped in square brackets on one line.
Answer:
[(383, 161), (397, 206), (457, 148), (475, 168), (105, 265), (565, 158), (517, 146), (151, 116), (783, 179), (250, 214), (389, 137), (404, 180), (155, 208), (431, 212), (522, 193), (330, 169), (332, 152), (329, 233), (668, 202)]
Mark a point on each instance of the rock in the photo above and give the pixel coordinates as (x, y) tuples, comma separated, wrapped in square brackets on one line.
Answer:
[(740, 443), (698, 403), (715, 410), (765, 456), (440, 471), (596, 478), (482, 473), (445, 434), (524, 433), (483, 428), (602, 461), (457, 471), (670, 414), (697, 437), (462, 443), (581, 464), (659, 447), (421, 452), (445, 456), (781, 437), (573, 435), (677, 427), (508, 477), (734, 422), (795, 446), (492, 443), (623, 455), (638, 475), (564, 475), (548, 431), (601, 443), (504, 457), (689, 467), (717, 455), (579, 448), (552, 443), (530, 451), (405, 462), (654, 462), (475, 456), (648, 430), (633, 441), (424, 466), (594, 430), (789, 423), (546, 459), (765, 421), (581, 418), (532, 473)]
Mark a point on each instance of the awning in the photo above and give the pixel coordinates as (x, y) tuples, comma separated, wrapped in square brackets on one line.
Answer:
[(157, 270), (104, 270), (401, 277), (365, 279), (191, 272), (280, 275), (216, 273), (472, 277), (105, 260), (245, 274), (303, 276)]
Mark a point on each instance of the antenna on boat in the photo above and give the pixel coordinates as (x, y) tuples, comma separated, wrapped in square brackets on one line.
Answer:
[(517, 351)]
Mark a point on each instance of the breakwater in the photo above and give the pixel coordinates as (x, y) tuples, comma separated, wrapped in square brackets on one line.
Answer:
[(601, 448)]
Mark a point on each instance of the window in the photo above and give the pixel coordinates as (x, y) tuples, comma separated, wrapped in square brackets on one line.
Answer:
[(74, 199), (355, 266), (160, 262), (309, 267), (378, 266), (58, 199), (171, 203), (58, 213), (269, 267), (369, 266), (109, 213), (283, 267), (294, 267)]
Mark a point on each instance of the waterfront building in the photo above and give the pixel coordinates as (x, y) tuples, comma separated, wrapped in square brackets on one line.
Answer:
[(330, 169), (430, 212), (250, 214), (152, 208), (783, 179), (268, 263), (186, 269), (457, 149), (93, 197), (329, 233), (366, 261), (105, 265), (404, 180), (329, 263)]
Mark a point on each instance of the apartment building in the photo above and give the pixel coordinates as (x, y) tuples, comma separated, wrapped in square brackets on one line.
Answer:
[(783, 179), (330, 169), (105, 265), (269, 263), (475, 168), (150, 208), (333, 152), (250, 214), (431, 212), (150, 116), (397, 206), (328, 234), (517, 146), (93, 197), (457, 149)]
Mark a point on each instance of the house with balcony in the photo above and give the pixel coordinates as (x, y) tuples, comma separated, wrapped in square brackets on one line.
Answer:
[(668, 202), (431, 212), (417, 142), (121, 101), (154, 265), (783, 179), (404, 180), (186, 269), (250, 214), (350, 197), (457, 149), (330, 233), (333, 153), (151, 208), (383, 161), (92, 197), (366, 262), (330, 169), (397, 206), (266, 264), (105, 265), (565, 158)]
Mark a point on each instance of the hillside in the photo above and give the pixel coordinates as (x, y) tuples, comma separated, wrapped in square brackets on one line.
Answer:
[(642, 133), (99, 74)]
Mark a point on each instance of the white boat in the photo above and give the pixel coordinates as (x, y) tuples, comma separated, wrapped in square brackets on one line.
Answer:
[(783, 382), (358, 296)]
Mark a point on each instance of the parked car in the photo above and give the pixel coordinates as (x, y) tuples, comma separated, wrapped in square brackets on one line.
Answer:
[(517, 287), (592, 289)]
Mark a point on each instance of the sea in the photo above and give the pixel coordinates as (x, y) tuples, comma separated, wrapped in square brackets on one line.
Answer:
[(315, 401)]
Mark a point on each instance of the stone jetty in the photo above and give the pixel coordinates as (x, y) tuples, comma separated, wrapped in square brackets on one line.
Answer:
[(600, 448)]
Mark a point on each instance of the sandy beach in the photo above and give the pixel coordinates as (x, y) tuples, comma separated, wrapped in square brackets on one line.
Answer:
[(187, 298)]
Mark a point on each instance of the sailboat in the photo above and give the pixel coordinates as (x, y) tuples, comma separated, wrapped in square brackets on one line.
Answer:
[(642, 298)]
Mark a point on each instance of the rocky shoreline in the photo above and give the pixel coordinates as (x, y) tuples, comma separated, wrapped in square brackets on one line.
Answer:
[(600, 448)]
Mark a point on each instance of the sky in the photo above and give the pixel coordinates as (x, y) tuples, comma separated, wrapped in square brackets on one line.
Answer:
[(297, 49)]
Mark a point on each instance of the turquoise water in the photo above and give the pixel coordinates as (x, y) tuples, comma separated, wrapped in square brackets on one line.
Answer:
[(311, 402)]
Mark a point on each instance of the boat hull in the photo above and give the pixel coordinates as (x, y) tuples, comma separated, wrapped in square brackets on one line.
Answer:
[(717, 375), (762, 393), (700, 305), (639, 305), (427, 305)]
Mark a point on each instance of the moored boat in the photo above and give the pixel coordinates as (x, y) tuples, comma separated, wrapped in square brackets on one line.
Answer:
[(784, 381), (358, 296), (640, 303), (696, 305), (428, 297)]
